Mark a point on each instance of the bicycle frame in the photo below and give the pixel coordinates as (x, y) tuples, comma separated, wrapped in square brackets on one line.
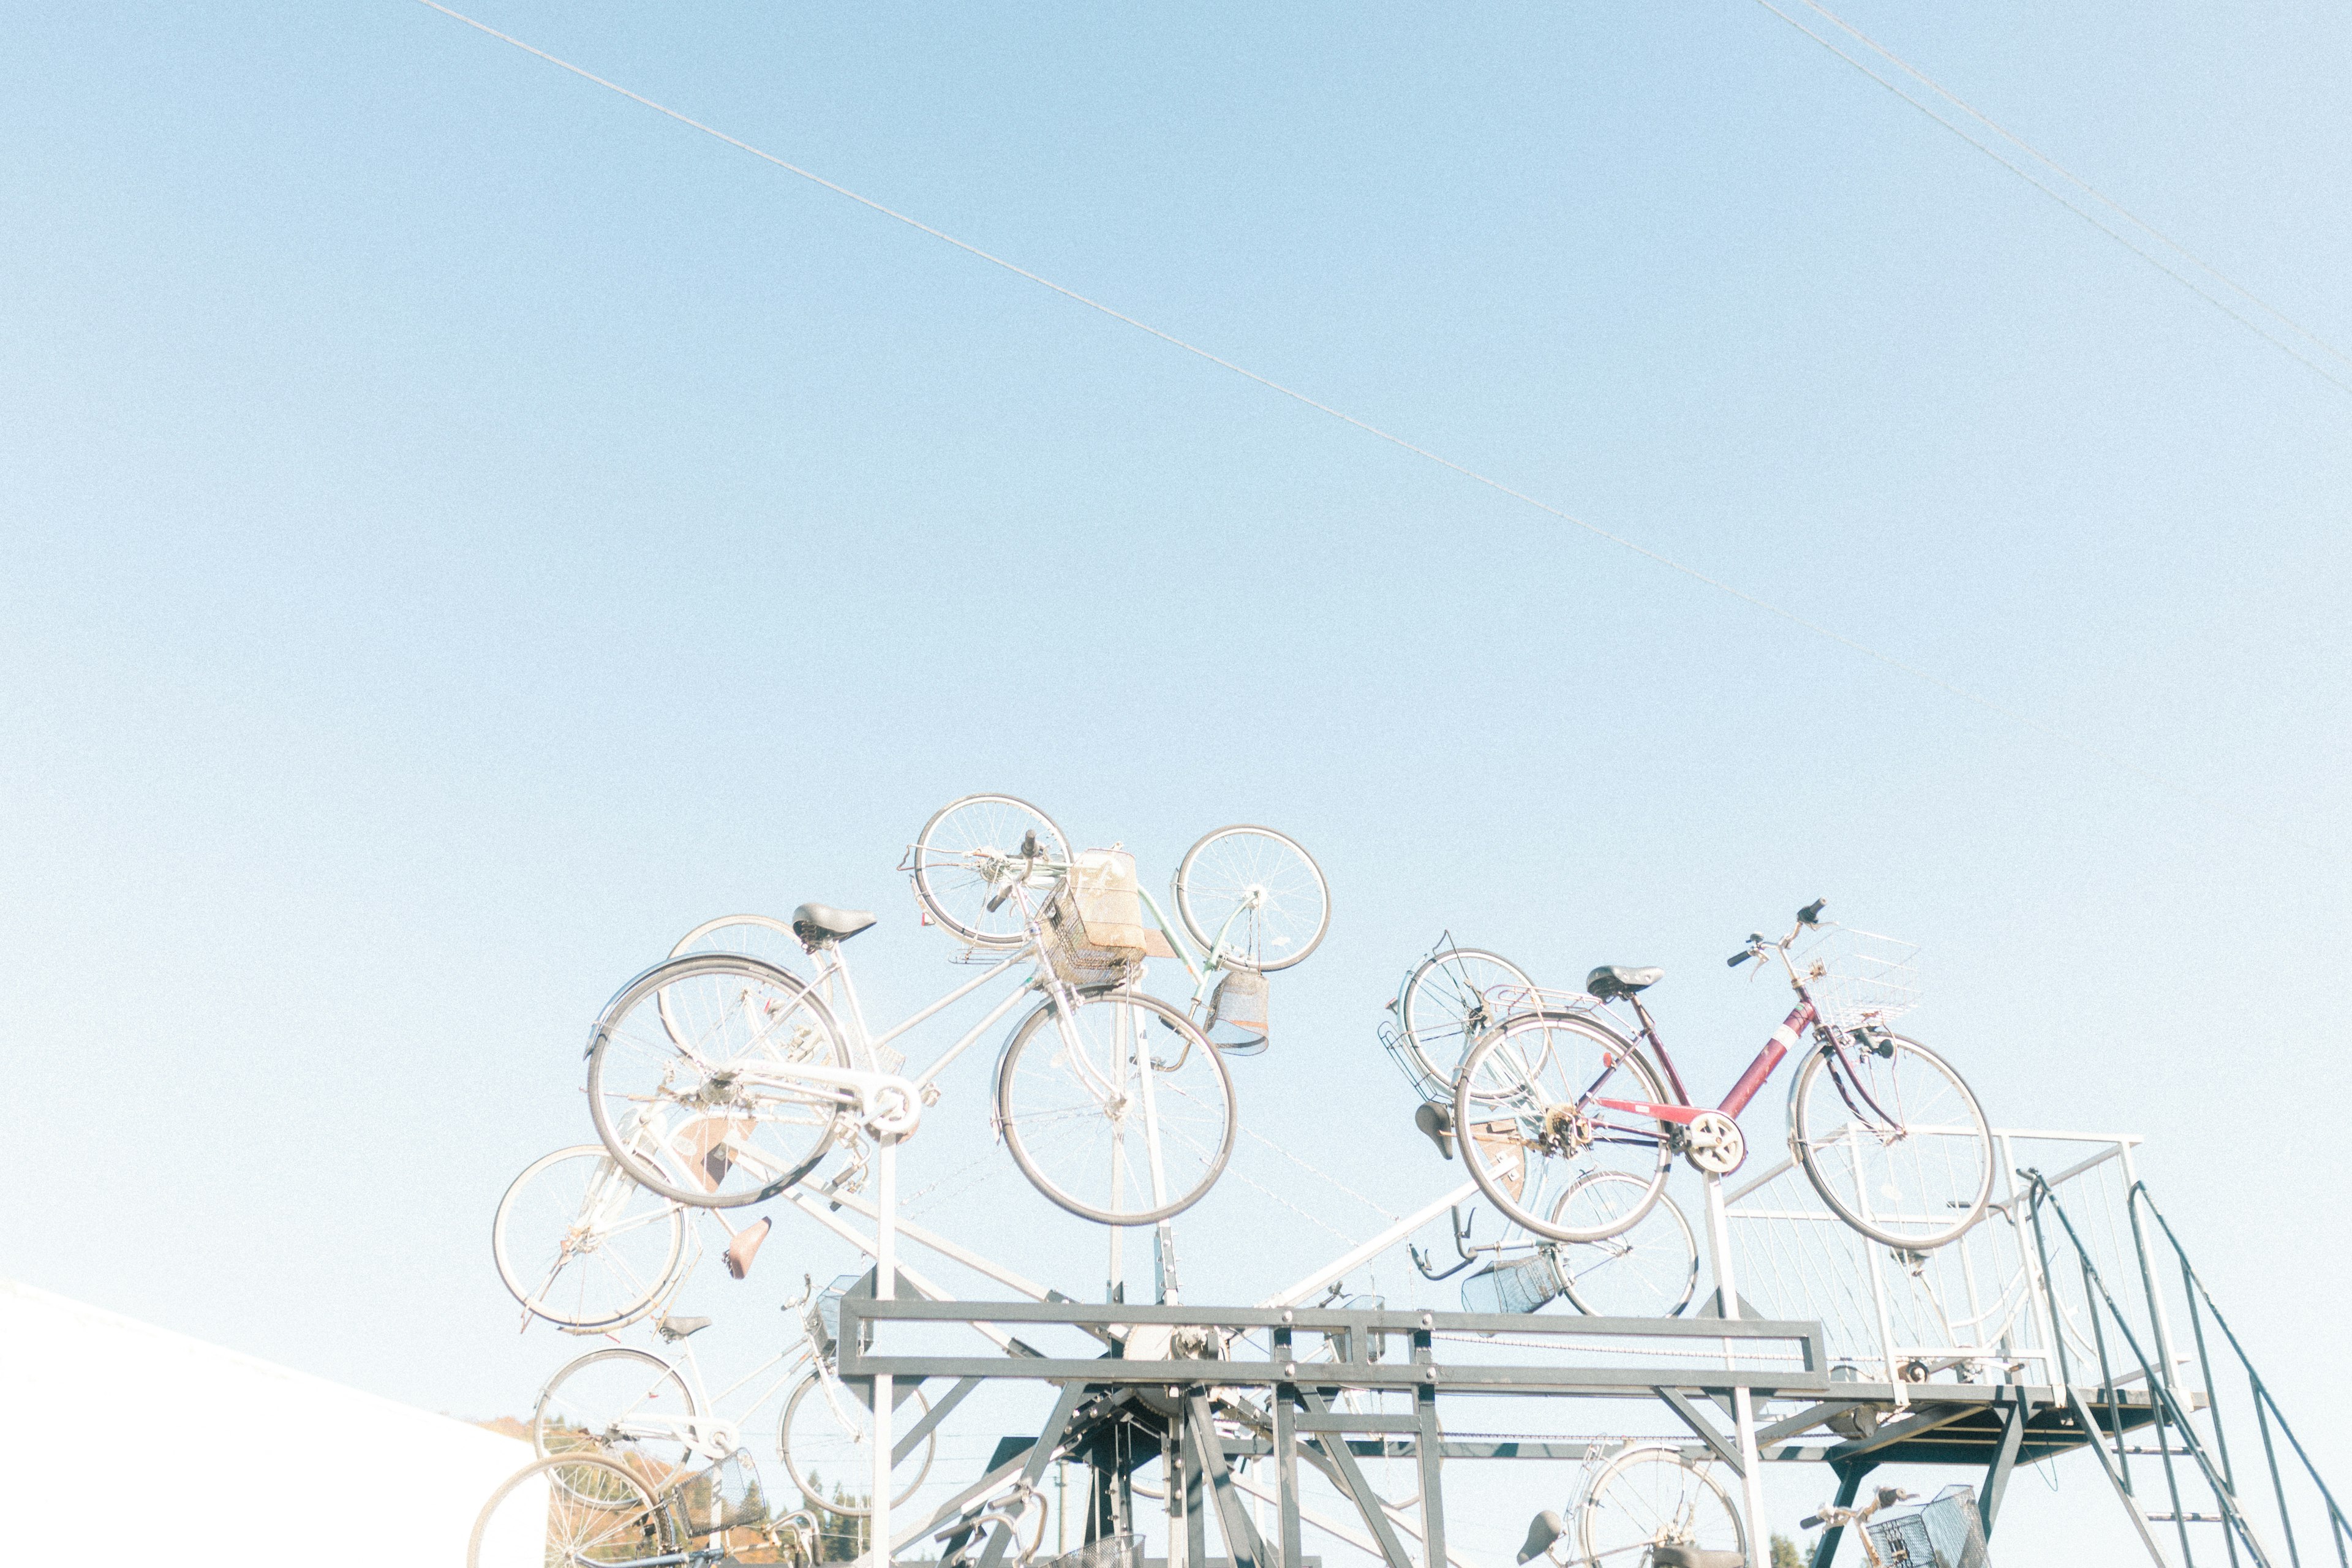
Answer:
[(711, 1438), (1802, 1020)]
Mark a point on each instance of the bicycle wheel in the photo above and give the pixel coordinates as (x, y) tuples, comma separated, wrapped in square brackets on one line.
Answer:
[(627, 1405), (1122, 1114), (582, 1246), (1892, 1140), (826, 1437), (1649, 1270), (1528, 1121), (1453, 997), (1650, 1496), (763, 937), (678, 1080), (1253, 896), (967, 862), (570, 1511)]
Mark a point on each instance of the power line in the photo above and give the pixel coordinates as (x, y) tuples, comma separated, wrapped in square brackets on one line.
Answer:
[(2085, 214), (2062, 737)]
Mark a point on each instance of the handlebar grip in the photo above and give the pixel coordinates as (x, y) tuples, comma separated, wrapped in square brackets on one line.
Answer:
[(1737, 958), (1812, 1522), (1812, 913)]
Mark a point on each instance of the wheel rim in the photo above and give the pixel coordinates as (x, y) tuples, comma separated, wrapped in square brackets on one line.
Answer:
[(544, 1514), (1259, 892), (1447, 1005), (964, 858), (763, 937), (672, 1079), (1516, 1124), (826, 1436), (1077, 1120), (1653, 1496), (626, 1406), (579, 1243), (1649, 1270), (1918, 1183)]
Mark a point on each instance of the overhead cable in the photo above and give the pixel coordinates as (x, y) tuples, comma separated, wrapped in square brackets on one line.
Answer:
[(2062, 737), (2323, 372)]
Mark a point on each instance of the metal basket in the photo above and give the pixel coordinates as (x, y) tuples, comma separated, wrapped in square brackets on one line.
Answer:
[(1110, 1552), (724, 1496), (1521, 1285), (1504, 1003), (1943, 1533), (1858, 977), (1076, 958), (1429, 1085)]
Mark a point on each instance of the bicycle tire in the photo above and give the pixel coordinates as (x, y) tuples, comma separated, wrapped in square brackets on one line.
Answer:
[(634, 1527), (1444, 1009), (1493, 1132), (1276, 868), (1075, 1092), (636, 1054), (591, 1288), (810, 1482), (1667, 1258), (956, 893), (574, 1414), (763, 937), (1650, 1495), (1938, 1195)]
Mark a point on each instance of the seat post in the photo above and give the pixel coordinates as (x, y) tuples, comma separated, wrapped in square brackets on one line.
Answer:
[(1650, 1033), (837, 963)]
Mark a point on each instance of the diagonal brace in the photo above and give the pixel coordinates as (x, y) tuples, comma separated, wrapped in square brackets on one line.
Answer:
[(1242, 1544), (1049, 1443), (1691, 1417), (1360, 1492)]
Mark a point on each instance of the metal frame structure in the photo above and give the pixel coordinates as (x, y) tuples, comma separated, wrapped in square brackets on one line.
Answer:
[(1204, 1409), (1201, 1387)]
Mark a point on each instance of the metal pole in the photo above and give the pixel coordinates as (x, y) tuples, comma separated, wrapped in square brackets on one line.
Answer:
[(886, 1273), (1743, 1402), (2158, 1317)]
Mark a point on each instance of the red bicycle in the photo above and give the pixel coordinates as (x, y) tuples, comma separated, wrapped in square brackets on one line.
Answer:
[(1886, 1132)]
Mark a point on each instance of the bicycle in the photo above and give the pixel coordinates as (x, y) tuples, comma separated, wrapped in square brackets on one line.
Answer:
[(582, 1244), (1887, 1132), (1648, 1269), (575, 1511), (1446, 1003), (1250, 901), (654, 1414), (718, 1079), (1832, 1516), (1644, 1505)]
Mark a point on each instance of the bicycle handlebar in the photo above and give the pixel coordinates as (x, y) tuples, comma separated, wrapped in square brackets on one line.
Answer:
[(1810, 914), (1742, 956)]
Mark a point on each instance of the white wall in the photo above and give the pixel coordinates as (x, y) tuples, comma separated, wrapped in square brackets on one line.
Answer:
[(132, 1443)]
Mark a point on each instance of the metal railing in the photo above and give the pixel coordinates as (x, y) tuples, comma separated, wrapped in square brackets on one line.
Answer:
[(2177, 1433)]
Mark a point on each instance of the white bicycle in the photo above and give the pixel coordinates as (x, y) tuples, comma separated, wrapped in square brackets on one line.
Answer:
[(1644, 1505), (653, 1414), (584, 1246), (719, 1080)]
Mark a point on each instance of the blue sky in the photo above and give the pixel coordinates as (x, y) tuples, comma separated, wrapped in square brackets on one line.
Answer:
[(463, 530)]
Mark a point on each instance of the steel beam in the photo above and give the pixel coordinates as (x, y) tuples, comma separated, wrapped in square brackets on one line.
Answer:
[(1033, 1469), (1849, 1474), (2004, 1460), (1692, 1418), (1242, 1544), (1360, 1492)]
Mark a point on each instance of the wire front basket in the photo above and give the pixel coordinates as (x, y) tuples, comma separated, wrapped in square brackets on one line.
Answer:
[(1858, 978), (1075, 919), (1944, 1533)]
